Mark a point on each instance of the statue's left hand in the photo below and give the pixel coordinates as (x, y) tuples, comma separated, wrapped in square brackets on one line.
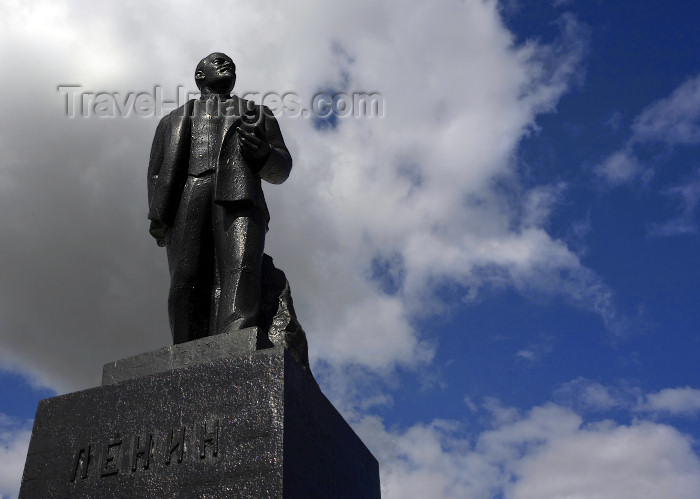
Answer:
[(254, 143), (157, 230)]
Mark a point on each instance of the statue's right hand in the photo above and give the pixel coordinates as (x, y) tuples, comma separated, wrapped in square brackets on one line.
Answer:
[(157, 230)]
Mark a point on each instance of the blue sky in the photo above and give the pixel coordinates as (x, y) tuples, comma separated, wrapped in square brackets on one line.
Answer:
[(497, 278)]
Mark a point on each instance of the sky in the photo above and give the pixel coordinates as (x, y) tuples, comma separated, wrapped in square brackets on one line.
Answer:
[(497, 274)]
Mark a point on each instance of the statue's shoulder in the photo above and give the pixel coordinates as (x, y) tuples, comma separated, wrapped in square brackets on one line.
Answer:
[(176, 114), (182, 111)]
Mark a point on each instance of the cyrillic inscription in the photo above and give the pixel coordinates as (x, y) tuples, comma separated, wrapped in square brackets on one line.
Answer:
[(81, 462), (208, 439), (177, 443), (143, 452), (109, 457), (139, 452)]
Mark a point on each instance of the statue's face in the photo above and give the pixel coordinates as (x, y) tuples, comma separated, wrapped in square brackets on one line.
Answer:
[(216, 72)]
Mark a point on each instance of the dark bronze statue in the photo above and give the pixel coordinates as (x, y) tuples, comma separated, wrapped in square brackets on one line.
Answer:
[(206, 205)]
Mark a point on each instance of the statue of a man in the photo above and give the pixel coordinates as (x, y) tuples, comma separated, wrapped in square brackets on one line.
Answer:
[(206, 203)]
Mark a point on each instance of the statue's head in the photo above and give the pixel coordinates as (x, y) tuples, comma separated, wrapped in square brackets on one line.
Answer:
[(216, 73)]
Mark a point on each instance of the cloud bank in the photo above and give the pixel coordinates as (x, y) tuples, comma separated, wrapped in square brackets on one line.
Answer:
[(669, 123), (548, 451), (378, 214), (14, 440)]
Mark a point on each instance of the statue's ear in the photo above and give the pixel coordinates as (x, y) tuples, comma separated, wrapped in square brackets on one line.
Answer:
[(199, 75)]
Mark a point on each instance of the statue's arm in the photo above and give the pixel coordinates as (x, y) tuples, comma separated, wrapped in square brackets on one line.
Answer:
[(156, 158), (279, 163), (154, 164)]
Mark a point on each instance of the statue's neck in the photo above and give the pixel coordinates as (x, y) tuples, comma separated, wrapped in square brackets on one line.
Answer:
[(215, 96)]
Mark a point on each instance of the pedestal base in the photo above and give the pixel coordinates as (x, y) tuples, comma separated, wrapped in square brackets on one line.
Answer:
[(251, 425)]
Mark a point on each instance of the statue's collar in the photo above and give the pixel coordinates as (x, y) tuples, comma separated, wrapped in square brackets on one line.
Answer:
[(216, 97)]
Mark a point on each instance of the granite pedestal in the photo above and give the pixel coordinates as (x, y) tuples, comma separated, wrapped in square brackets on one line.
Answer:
[(245, 424)]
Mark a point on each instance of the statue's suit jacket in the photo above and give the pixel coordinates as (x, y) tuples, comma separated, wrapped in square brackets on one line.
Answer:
[(237, 181)]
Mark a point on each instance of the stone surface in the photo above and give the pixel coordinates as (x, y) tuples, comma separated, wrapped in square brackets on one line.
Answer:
[(253, 425), (164, 359), (278, 316)]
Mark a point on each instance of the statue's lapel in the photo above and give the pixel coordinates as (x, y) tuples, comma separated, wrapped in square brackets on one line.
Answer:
[(232, 115)]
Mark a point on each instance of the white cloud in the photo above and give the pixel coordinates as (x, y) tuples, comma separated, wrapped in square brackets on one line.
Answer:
[(675, 401), (643, 461), (672, 121), (537, 350), (428, 461), (14, 441), (587, 395), (598, 396), (547, 452), (685, 223), (498, 413), (619, 168), (526, 354), (539, 202)]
